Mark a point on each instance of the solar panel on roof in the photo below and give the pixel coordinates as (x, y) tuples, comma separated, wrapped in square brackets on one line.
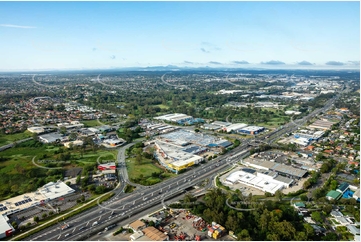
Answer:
[(30, 200), (5, 208), (1, 205), (1, 209)]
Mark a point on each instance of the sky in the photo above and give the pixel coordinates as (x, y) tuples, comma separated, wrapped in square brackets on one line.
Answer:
[(98, 35)]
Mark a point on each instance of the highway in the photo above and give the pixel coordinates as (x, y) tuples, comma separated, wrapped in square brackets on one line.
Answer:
[(127, 204), (123, 206)]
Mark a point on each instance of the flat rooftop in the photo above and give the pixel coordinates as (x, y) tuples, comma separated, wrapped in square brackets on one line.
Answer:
[(278, 167), (49, 191), (183, 137)]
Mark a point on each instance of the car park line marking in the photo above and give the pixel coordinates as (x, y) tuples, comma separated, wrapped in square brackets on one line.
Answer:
[(59, 237)]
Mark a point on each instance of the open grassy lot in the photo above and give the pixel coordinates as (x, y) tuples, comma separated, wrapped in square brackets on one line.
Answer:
[(145, 169), (91, 156), (91, 123), (163, 106), (10, 138), (18, 174), (146, 173)]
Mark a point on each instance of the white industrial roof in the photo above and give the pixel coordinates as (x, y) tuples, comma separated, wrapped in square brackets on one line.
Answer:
[(4, 225), (236, 126), (37, 130), (252, 128), (266, 184), (173, 116), (54, 190)]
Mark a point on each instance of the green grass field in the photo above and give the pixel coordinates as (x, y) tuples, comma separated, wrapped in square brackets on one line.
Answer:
[(163, 106), (146, 168), (142, 173), (91, 123), (10, 138), (18, 174)]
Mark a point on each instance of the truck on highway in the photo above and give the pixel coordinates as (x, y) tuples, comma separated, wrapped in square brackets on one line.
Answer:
[(110, 227), (65, 226), (95, 223)]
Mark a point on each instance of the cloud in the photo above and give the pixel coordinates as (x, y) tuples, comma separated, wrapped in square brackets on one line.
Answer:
[(206, 43), (94, 49), (355, 62), (188, 62), (273, 62), (204, 50), (208, 47), (112, 57), (215, 63), (17, 26), (305, 63), (241, 62), (334, 63)]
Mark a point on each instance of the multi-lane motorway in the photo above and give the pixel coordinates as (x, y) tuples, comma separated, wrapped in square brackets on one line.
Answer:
[(123, 206)]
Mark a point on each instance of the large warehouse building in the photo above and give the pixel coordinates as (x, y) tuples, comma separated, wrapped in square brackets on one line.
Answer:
[(48, 192), (251, 130), (234, 127), (174, 158), (6, 229), (267, 181), (286, 170)]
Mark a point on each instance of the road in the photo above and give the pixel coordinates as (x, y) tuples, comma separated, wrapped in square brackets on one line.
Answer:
[(4, 147), (124, 206)]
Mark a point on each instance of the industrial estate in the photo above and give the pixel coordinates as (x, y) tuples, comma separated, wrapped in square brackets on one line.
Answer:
[(126, 157)]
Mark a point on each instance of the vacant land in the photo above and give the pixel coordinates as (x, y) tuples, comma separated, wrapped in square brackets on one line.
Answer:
[(146, 172), (11, 138), (91, 123), (18, 174)]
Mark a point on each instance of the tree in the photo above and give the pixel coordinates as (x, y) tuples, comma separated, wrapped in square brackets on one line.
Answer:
[(78, 179), (100, 189), (330, 237), (62, 130), (309, 230), (244, 235), (279, 195), (333, 185), (316, 216), (14, 224), (36, 219), (73, 136), (304, 197), (327, 208)]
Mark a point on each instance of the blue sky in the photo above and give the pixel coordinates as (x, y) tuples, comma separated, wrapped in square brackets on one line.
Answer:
[(86, 35)]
